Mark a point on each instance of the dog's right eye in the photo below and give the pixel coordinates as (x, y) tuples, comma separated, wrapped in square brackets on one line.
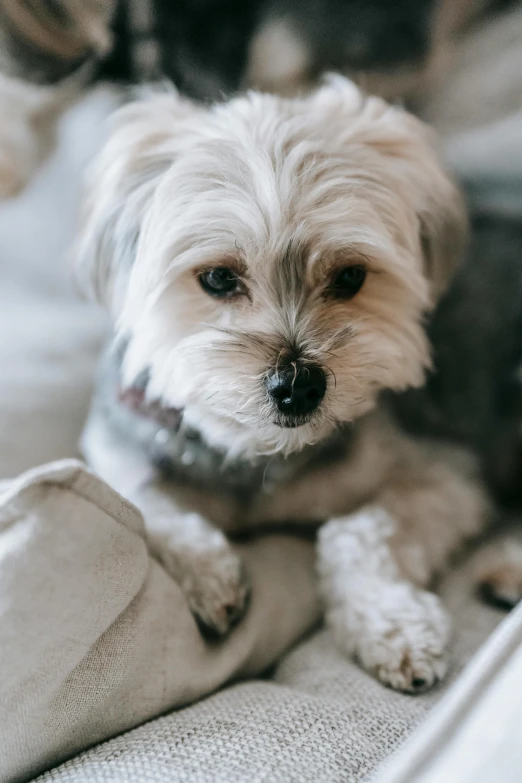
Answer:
[(348, 281), (220, 281)]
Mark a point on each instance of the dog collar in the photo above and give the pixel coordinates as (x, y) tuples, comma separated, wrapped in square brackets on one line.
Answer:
[(134, 398), (181, 454)]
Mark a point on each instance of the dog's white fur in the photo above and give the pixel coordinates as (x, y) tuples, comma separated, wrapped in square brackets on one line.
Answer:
[(286, 192)]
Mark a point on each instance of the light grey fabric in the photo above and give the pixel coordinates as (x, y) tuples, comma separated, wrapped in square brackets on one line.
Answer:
[(319, 719)]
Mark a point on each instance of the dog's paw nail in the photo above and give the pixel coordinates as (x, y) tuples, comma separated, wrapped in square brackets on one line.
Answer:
[(403, 641), (218, 623), (233, 613), (417, 672), (218, 594)]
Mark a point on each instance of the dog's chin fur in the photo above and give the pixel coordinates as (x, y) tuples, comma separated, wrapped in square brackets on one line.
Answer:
[(239, 440), (286, 192)]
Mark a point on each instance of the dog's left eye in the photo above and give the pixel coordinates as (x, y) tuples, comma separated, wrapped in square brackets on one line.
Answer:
[(220, 281), (348, 281)]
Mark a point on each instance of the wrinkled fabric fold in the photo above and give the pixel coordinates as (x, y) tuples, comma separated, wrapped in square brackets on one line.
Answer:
[(96, 638)]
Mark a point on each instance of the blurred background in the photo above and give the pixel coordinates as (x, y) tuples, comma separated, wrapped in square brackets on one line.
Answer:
[(457, 63)]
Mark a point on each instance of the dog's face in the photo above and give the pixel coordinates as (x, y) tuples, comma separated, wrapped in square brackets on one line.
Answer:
[(270, 261)]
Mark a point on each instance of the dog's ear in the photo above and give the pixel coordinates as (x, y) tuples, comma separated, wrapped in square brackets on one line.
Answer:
[(409, 153), (120, 186)]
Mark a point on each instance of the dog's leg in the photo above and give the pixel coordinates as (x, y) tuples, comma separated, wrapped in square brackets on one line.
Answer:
[(375, 564), (199, 558), (194, 552), (499, 575), (396, 630)]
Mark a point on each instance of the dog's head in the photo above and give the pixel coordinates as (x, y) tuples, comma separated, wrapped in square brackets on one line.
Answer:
[(270, 261)]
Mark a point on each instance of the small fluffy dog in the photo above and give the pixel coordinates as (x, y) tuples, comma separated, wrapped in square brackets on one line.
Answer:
[(268, 264)]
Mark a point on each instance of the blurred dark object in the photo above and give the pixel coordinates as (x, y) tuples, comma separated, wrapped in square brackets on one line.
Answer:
[(376, 40), (474, 395), (361, 34), (199, 45)]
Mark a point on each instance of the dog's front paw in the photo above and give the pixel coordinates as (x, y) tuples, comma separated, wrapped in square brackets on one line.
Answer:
[(401, 639), (214, 583), (217, 590)]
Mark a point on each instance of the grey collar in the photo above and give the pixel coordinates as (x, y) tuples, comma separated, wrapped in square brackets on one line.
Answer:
[(183, 456)]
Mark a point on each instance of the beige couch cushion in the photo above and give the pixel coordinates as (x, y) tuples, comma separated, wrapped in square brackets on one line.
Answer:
[(319, 719)]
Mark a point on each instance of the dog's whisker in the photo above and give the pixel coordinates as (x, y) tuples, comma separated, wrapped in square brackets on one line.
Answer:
[(331, 372)]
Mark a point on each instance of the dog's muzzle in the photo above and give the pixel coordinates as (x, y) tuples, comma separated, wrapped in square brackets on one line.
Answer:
[(296, 390)]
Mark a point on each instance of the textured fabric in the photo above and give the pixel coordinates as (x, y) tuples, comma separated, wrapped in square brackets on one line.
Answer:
[(320, 719), (96, 638)]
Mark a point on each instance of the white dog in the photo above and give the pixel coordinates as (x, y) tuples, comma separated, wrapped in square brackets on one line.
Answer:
[(268, 264)]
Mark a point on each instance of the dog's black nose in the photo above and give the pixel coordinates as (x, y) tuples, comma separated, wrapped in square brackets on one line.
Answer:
[(297, 389)]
